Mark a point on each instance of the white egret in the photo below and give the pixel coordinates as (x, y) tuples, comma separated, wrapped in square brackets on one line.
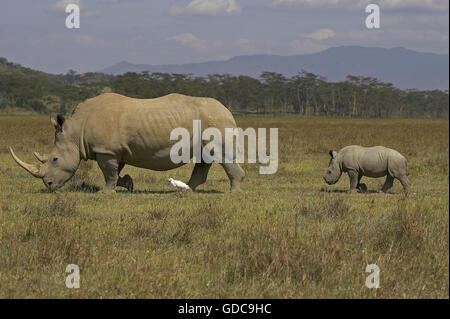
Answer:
[(178, 184)]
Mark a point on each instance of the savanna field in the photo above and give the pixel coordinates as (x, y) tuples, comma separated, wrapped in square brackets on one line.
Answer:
[(288, 235)]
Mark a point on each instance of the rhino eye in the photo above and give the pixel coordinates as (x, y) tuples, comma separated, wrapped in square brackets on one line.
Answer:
[(54, 159), (329, 171)]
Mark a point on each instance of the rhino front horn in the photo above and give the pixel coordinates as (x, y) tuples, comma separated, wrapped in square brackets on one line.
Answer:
[(34, 170), (41, 157)]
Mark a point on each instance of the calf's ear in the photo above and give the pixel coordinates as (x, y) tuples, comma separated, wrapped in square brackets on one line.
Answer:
[(332, 154)]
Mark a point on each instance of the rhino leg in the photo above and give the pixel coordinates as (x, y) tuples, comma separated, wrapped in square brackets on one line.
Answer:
[(405, 183), (126, 181), (398, 168), (388, 183), (353, 176), (236, 175), (199, 175), (361, 186), (110, 169)]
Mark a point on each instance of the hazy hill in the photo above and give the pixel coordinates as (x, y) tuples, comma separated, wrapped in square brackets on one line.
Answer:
[(402, 67), (10, 68)]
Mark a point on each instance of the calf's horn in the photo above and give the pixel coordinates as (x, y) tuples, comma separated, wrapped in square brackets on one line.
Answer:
[(34, 170), (41, 157)]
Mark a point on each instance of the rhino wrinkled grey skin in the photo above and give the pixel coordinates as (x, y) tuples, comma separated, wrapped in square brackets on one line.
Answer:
[(358, 161), (116, 130)]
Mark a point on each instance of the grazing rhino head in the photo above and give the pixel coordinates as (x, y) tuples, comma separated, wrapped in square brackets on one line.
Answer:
[(334, 171), (57, 167)]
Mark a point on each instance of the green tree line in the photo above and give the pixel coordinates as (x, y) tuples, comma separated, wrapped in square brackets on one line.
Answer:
[(305, 94)]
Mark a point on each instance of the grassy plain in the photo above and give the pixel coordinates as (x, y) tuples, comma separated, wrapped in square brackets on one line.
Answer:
[(288, 235)]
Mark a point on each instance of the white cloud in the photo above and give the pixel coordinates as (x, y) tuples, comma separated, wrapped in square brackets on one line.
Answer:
[(248, 46), (305, 45), (245, 45), (223, 57), (356, 4), (208, 7), (312, 42), (218, 44), (321, 34), (189, 40), (61, 5)]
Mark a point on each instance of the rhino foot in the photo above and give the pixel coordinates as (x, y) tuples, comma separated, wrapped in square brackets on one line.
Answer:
[(128, 183), (362, 188), (107, 191), (236, 189)]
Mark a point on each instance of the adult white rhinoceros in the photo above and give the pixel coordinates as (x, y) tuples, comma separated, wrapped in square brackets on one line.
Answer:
[(116, 130)]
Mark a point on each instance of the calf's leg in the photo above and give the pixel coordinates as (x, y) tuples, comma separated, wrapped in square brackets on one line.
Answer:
[(405, 183), (353, 176), (361, 186), (388, 183), (398, 168)]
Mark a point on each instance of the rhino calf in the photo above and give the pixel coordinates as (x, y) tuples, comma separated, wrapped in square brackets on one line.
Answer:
[(377, 161)]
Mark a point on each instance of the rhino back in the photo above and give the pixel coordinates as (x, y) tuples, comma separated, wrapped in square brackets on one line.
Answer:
[(138, 130), (368, 161)]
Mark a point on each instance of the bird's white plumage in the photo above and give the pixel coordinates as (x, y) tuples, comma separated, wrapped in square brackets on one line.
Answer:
[(179, 184)]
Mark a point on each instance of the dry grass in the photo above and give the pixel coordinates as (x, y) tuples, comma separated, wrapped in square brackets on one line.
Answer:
[(289, 235)]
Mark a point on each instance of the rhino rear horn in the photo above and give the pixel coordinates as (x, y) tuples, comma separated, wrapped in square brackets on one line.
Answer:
[(34, 170), (41, 157)]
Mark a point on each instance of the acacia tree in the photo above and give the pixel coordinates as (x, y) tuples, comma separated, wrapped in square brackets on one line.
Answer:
[(275, 90)]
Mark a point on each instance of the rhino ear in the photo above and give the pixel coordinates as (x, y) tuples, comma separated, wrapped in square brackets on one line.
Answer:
[(54, 123), (58, 123), (333, 154)]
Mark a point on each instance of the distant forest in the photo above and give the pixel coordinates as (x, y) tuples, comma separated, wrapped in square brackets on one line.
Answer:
[(305, 94)]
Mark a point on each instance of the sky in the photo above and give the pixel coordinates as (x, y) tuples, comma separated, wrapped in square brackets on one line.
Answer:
[(34, 34)]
